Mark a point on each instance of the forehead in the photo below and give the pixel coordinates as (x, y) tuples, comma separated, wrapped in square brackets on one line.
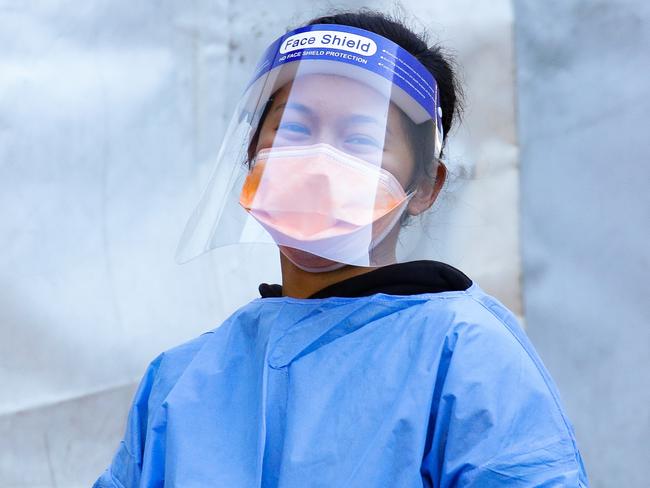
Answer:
[(334, 94)]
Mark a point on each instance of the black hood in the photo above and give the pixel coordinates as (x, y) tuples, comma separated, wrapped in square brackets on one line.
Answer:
[(410, 278)]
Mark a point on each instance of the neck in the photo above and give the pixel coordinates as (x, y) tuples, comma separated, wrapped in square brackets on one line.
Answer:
[(298, 283)]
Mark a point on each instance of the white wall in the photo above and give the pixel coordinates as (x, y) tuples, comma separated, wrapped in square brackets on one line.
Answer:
[(110, 116)]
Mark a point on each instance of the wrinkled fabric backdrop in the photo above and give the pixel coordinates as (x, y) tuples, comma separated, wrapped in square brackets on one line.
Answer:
[(111, 114)]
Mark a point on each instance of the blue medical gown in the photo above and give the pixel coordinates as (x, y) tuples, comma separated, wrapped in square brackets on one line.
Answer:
[(435, 390)]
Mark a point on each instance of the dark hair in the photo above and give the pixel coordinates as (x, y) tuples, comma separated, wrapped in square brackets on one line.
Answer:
[(434, 59)]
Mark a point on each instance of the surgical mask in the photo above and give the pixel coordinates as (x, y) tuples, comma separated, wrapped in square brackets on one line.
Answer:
[(323, 201)]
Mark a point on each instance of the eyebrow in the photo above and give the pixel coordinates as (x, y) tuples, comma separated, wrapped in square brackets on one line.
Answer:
[(363, 119), (296, 106), (366, 119)]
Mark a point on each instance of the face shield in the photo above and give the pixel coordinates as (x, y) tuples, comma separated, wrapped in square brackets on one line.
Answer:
[(326, 151)]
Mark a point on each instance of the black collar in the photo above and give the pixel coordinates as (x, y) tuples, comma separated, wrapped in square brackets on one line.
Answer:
[(410, 278)]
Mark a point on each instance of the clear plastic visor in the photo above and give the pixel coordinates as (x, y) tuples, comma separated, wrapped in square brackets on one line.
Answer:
[(322, 159)]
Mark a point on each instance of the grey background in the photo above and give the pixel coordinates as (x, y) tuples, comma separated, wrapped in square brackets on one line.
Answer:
[(584, 103), (111, 115), (111, 112)]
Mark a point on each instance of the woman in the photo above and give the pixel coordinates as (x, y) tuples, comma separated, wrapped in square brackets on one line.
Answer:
[(360, 370)]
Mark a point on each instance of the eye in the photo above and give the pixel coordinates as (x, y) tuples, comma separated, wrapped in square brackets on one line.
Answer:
[(363, 141), (295, 128)]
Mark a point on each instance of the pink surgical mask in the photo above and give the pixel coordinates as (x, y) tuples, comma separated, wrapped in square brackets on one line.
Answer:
[(323, 201)]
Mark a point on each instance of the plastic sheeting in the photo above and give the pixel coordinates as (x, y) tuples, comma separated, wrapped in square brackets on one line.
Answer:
[(110, 115), (584, 101)]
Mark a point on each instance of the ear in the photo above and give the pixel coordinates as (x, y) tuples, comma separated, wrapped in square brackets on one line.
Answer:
[(427, 191)]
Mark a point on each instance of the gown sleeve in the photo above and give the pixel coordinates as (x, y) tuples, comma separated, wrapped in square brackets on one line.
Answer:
[(496, 418), (126, 467)]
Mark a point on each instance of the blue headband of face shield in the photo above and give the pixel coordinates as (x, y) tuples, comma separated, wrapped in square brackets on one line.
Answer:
[(349, 50)]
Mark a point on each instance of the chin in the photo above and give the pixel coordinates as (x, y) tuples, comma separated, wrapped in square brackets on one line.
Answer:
[(310, 262)]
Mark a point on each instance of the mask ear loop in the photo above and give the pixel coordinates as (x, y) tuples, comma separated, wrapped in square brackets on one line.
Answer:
[(413, 191), (410, 194)]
